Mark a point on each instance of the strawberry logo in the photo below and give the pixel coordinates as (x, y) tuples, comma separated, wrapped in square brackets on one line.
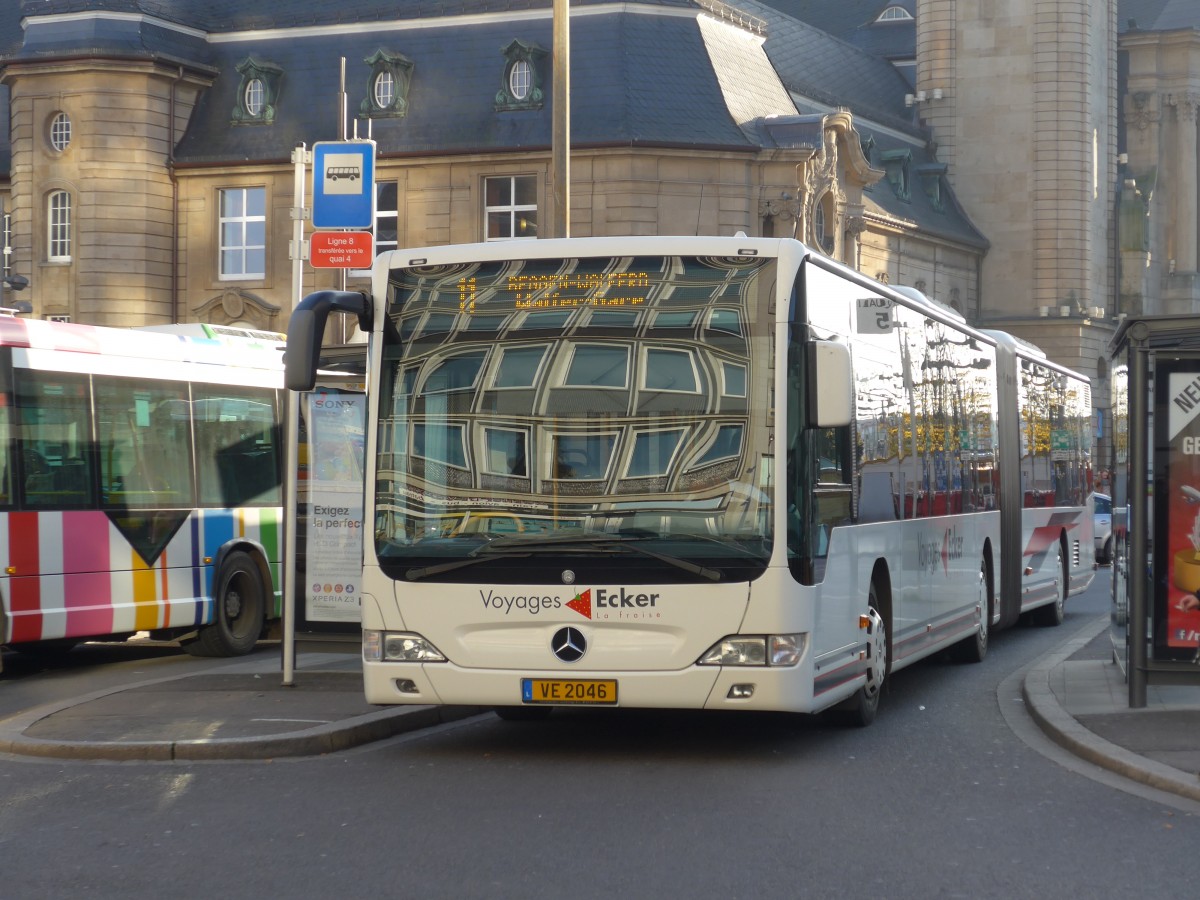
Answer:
[(582, 604)]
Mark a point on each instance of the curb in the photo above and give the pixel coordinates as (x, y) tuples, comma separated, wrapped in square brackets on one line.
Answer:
[(327, 737), (1065, 730)]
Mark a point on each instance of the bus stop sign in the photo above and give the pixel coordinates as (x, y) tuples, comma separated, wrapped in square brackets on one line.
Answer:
[(343, 184)]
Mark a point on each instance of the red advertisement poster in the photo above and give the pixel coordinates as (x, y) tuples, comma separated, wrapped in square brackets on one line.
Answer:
[(1177, 614)]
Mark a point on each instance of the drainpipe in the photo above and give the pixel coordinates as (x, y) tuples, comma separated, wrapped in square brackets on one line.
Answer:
[(174, 200)]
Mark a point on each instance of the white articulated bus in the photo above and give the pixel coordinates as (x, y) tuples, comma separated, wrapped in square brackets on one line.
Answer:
[(697, 472)]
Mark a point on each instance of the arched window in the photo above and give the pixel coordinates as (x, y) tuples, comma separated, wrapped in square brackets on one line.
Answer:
[(894, 14), (384, 89), (58, 222), (255, 98), (519, 79), (60, 131)]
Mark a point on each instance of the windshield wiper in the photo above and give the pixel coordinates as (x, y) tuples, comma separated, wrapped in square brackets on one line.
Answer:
[(599, 541), (518, 546), (468, 560)]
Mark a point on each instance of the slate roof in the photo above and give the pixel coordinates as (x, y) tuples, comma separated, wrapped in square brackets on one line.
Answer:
[(853, 21), (637, 80), (830, 71), (226, 16), (1157, 15)]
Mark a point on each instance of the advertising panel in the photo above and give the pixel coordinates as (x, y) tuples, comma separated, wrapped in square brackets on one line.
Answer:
[(334, 529), (1176, 606)]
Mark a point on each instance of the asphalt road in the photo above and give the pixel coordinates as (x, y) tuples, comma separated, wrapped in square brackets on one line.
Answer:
[(939, 798)]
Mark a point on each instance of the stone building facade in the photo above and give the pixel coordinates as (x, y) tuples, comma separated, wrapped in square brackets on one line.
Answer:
[(1033, 165), (149, 173), (1160, 169)]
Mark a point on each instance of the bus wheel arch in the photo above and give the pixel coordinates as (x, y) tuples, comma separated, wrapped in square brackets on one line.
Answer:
[(240, 593), (862, 707)]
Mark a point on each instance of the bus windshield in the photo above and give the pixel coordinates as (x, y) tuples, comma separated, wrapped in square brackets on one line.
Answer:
[(535, 413)]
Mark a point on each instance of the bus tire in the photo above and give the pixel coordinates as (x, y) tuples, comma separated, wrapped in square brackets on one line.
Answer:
[(861, 709), (1052, 614), (975, 648), (239, 607)]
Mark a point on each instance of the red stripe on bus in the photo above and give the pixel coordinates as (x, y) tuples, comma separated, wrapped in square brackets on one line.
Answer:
[(24, 587)]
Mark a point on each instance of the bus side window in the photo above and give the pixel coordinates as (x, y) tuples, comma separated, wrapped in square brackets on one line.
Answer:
[(145, 457), (830, 456), (54, 440), (237, 447)]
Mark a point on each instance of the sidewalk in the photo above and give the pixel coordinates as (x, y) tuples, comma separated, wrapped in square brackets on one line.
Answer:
[(1080, 699), (1077, 695), (241, 711)]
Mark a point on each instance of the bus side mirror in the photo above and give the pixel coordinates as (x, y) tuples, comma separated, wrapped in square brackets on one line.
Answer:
[(830, 385), (306, 328)]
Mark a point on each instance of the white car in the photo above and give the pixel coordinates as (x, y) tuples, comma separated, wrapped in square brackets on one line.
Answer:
[(1102, 524)]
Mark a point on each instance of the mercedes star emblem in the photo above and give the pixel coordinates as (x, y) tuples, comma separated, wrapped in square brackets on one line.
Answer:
[(568, 644)]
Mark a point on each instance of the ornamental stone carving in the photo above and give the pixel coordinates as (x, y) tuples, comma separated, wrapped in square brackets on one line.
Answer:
[(1141, 110)]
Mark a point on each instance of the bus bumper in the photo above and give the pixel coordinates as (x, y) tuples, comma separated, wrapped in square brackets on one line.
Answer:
[(760, 688)]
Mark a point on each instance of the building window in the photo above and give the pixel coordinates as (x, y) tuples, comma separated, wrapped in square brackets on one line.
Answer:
[(258, 92), (255, 97), (519, 79), (60, 131), (522, 85), (896, 163), (386, 221), (243, 233), (894, 14), (387, 215), (387, 89), (58, 218), (510, 207)]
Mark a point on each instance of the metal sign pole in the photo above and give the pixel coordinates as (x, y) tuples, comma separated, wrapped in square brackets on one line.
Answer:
[(292, 424), (1138, 566)]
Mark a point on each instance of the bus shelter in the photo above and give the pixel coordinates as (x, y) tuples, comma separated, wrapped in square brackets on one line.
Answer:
[(1156, 501)]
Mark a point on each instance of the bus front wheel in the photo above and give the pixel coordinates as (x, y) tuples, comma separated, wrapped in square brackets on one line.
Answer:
[(860, 710), (240, 605)]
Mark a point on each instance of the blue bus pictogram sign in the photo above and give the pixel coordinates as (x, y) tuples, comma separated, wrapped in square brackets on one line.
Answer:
[(343, 184)]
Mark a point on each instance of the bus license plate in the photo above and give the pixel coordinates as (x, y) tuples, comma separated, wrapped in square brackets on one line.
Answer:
[(568, 690)]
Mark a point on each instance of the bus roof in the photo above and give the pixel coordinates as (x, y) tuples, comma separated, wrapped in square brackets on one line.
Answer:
[(67, 337)]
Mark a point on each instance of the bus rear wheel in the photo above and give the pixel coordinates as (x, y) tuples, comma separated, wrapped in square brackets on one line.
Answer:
[(240, 602), (974, 648), (1053, 613)]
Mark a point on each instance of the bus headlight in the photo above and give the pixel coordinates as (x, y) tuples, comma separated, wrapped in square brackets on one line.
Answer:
[(389, 646), (756, 650)]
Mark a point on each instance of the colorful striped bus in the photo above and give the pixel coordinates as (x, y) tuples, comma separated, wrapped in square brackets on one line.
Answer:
[(140, 485)]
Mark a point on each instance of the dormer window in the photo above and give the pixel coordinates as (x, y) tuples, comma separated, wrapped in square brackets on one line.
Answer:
[(896, 163), (894, 14), (258, 92), (522, 85), (931, 182), (387, 89)]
